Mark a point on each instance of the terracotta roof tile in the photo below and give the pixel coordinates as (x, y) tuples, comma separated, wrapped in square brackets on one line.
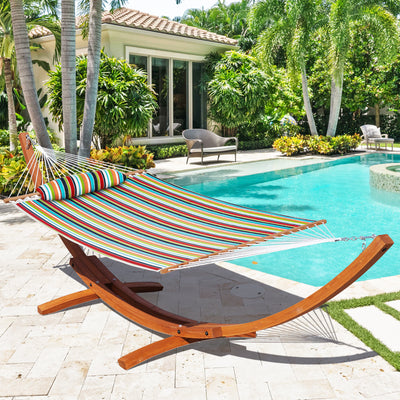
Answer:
[(136, 19)]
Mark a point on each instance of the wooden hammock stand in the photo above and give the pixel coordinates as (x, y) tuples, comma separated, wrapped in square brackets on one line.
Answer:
[(123, 297)]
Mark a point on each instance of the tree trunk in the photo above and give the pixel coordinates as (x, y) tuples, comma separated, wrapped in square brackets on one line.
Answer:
[(307, 103), (68, 74), (336, 101), (12, 119), (93, 66), (377, 115), (25, 70)]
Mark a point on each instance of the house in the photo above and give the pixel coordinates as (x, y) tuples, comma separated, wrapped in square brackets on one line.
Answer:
[(171, 53)]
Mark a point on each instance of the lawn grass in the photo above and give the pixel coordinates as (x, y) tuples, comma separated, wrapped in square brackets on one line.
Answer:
[(337, 310)]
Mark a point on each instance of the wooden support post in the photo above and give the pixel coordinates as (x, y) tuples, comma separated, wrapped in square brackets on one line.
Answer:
[(29, 154)]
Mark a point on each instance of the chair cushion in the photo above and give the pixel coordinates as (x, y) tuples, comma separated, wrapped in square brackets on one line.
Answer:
[(372, 131), (79, 184), (383, 140), (219, 149)]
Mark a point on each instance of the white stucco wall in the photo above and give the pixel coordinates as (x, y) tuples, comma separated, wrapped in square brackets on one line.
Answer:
[(115, 42)]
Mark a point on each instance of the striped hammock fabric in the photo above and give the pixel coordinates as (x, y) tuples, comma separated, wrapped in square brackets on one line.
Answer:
[(149, 223)]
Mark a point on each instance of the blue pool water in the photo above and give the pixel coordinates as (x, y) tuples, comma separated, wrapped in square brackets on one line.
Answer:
[(337, 191)]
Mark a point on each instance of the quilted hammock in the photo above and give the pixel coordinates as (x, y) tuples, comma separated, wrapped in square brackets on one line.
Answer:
[(152, 224)]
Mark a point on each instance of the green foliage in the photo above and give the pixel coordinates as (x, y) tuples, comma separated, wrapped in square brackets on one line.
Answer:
[(4, 137), (285, 97), (294, 145), (367, 80), (291, 145), (163, 151), (12, 166), (238, 90), (125, 102), (130, 156), (230, 20), (257, 144)]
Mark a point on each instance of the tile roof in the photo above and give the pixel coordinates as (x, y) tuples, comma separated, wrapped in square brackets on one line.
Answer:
[(137, 19)]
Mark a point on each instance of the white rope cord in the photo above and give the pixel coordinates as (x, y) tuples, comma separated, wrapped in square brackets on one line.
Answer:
[(316, 235), (55, 164), (77, 163)]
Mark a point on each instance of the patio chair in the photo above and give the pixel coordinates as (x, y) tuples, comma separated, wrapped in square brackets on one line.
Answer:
[(203, 143), (148, 223), (372, 135)]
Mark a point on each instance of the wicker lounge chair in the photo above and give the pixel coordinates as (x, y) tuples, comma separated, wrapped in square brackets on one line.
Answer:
[(372, 135), (148, 223), (203, 143)]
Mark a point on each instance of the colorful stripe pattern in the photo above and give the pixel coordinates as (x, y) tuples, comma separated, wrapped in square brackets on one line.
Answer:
[(76, 185), (152, 224)]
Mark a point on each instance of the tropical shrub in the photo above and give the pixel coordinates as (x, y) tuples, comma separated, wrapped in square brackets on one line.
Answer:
[(293, 145), (125, 102), (129, 156), (4, 137), (238, 90), (163, 151), (12, 166)]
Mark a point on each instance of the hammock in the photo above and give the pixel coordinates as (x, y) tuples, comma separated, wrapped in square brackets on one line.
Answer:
[(143, 221)]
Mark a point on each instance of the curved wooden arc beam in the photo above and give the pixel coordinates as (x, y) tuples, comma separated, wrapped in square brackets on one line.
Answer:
[(118, 295)]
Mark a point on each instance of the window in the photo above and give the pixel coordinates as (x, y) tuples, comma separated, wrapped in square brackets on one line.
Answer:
[(180, 90), (139, 61), (199, 96), (160, 82)]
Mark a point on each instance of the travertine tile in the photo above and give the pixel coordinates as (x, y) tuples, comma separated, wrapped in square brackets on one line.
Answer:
[(29, 350), (49, 362), (189, 369), (70, 378), (97, 388), (221, 384), (25, 387)]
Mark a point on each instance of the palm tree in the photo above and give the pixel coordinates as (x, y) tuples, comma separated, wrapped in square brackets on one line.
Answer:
[(68, 62), (8, 51), (289, 25), (6, 60), (25, 69), (383, 27), (93, 66), (229, 20)]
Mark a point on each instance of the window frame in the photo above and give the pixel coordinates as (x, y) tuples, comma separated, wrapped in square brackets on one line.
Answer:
[(170, 56)]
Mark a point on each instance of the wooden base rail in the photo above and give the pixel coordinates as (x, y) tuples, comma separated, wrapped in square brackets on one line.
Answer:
[(123, 298)]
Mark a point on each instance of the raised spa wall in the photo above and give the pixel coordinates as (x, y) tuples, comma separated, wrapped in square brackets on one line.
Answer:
[(384, 179)]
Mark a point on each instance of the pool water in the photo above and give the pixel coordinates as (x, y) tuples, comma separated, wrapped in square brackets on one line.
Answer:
[(337, 191)]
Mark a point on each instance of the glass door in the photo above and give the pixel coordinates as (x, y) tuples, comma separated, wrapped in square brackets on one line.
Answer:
[(160, 81)]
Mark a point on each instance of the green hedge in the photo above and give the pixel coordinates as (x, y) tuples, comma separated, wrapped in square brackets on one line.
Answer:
[(294, 145), (162, 151)]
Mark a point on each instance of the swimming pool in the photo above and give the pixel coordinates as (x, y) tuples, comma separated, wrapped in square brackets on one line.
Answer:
[(335, 190)]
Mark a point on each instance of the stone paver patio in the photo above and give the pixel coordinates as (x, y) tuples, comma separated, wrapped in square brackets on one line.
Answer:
[(73, 354)]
